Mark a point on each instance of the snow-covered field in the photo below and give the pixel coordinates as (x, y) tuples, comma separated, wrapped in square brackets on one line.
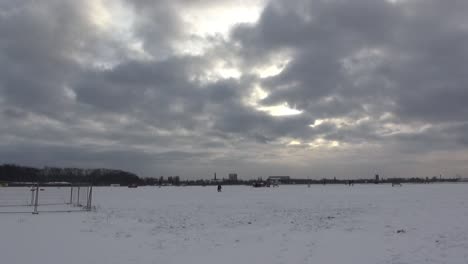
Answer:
[(290, 224)]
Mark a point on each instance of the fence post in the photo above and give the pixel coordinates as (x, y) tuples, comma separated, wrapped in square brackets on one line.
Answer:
[(78, 197), (71, 195), (90, 198), (87, 196), (32, 195), (37, 200)]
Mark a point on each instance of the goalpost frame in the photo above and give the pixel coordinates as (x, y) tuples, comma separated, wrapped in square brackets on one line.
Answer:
[(88, 196)]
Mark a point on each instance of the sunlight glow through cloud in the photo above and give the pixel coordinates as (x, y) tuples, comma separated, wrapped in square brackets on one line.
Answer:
[(294, 143), (275, 66), (99, 14), (219, 19), (280, 110), (276, 110), (323, 143)]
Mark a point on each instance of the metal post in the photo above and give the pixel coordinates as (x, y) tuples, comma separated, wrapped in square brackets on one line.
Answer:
[(90, 198), (71, 195), (37, 199), (78, 198), (87, 198), (32, 196)]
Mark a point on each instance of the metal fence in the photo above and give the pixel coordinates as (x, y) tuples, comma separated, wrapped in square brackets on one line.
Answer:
[(39, 198)]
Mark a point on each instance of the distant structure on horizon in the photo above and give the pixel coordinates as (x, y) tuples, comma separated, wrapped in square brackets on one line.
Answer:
[(279, 179), (232, 177), (215, 179)]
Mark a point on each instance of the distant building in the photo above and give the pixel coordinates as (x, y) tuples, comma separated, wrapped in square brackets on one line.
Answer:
[(215, 179), (176, 180), (232, 177), (279, 179)]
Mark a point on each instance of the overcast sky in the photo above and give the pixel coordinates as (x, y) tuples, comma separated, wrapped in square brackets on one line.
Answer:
[(318, 88)]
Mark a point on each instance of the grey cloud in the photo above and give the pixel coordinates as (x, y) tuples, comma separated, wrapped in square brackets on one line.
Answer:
[(78, 95), (417, 72), (162, 94), (241, 121), (40, 47)]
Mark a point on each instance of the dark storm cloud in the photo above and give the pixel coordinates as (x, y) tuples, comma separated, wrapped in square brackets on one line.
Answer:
[(32, 64), (408, 58), (53, 103), (400, 65), (371, 72), (41, 48), (160, 93), (244, 122), (157, 25), (58, 111)]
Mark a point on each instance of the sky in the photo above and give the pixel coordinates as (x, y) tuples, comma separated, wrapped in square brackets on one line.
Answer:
[(305, 88)]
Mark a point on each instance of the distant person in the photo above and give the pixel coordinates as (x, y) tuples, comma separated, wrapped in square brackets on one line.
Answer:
[(219, 187)]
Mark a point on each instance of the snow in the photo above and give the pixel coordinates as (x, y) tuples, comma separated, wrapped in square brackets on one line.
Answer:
[(424, 223)]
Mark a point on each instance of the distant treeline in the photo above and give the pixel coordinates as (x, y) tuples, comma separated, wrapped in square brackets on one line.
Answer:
[(174, 180), (10, 173), (371, 180), (16, 173)]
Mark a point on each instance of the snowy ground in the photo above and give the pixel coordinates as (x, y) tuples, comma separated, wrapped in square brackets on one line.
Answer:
[(290, 224)]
